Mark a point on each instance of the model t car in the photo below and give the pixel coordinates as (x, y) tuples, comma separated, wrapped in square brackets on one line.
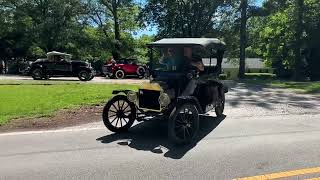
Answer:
[(181, 88), (60, 64)]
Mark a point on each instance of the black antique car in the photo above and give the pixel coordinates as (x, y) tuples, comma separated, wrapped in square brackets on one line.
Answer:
[(60, 64), (178, 91)]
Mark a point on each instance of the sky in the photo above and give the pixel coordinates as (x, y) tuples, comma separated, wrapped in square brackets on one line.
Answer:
[(153, 30)]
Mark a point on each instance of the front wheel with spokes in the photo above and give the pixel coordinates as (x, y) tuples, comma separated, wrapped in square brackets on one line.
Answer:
[(119, 114), (183, 124)]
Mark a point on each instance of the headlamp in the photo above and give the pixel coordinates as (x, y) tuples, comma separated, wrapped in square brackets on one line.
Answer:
[(164, 99), (132, 96)]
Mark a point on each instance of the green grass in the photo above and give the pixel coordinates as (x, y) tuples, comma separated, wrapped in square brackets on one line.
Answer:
[(26, 100), (262, 76), (308, 87), (304, 87)]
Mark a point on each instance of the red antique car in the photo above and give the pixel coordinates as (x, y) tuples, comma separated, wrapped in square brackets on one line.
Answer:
[(121, 68)]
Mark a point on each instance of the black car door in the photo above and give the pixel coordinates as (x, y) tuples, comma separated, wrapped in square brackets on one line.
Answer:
[(50, 67), (63, 67)]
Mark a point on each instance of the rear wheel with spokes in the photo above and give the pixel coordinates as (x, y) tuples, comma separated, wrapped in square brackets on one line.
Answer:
[(119, 114), (183, 124)]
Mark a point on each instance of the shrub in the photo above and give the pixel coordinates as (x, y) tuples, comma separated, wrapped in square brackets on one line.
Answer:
[(223, 76), (263, 76)]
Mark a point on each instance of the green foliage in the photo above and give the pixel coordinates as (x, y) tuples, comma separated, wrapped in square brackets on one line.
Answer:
[(223, 76), (141, 51), (35, 52), (273, 40), (84, 29), (181, 18), (274, 37), (262, 76), (94, 29)]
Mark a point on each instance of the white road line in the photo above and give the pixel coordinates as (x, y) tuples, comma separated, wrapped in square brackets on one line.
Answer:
[(51, 131)]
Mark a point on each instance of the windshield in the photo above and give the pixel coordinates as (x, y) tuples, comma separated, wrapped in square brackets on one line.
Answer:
[(179, 58), (57, 58)]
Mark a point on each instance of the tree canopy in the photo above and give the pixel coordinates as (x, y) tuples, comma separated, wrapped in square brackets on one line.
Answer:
[(285, 33)]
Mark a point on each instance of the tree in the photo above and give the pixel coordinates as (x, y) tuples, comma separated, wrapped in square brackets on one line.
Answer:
[(181, 18), (243, 37), (114, 7), (299, 69), (312, 37), (281, 36)]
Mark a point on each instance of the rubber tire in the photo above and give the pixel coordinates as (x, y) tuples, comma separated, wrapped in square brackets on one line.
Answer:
[(106, 108), (47, 77), (143, 73), (219, 109), (87, 76), (115, 74), (39, 71), (171, 124), (91, 77)]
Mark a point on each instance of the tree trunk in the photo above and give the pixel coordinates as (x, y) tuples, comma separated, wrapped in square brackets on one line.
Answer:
[(5, 66), (243, 38), (299, 69), (116, 32)]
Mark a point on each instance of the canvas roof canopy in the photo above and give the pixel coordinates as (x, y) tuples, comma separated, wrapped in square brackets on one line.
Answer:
[(57, 53), (203, 42)]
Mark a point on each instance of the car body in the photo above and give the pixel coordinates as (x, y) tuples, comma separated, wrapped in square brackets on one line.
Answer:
[(60, 64), (121, 68), (167, 94)]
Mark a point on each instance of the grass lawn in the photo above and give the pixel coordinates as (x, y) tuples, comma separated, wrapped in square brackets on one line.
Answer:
[(26, 100), (308, 87), (305, 87)]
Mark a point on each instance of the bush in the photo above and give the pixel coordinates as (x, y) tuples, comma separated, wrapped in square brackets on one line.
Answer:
[(263, 76), (223, 76)]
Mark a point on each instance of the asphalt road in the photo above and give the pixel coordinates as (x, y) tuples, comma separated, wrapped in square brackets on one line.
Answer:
[(97, 79), (265, 131)]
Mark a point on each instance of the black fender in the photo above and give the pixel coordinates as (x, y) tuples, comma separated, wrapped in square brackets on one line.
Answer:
[(120, 91), (82, 68), (221, 86), (192, 100), (225, 88)]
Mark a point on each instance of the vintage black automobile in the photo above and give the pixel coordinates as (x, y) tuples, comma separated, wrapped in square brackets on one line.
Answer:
[(60, 64), (165, 96)]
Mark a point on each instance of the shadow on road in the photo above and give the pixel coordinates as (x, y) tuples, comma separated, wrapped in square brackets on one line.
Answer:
[(266, 97), (152, 136)]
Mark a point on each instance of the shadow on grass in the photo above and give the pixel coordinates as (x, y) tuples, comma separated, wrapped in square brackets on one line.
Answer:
[(152, 136)]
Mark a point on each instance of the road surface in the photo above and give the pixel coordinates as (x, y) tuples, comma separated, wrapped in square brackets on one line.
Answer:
[(97, 79), (267, 132)]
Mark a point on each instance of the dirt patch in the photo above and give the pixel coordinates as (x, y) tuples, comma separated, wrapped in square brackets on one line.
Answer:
[(62, 118)]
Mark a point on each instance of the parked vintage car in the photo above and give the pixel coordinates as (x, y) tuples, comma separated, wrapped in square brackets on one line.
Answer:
[(121, 68), (60, 64), (178, 91)]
